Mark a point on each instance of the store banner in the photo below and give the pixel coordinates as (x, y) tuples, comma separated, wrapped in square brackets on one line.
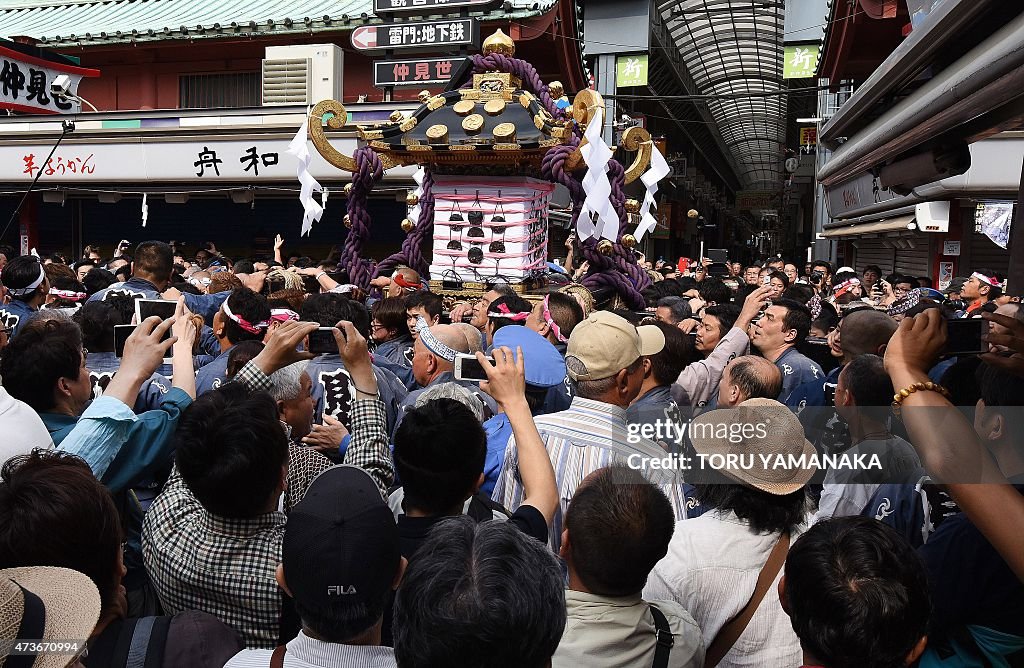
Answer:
[(192, 160), (26, 81), (631, 71), (800, 61)]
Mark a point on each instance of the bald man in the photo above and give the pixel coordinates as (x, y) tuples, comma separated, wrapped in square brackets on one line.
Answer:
[(748, 377), (861, 332), (433, 362), (864, 332)]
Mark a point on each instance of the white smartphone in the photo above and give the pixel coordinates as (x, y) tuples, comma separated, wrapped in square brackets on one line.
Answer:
[(467, 367), (147, 308)]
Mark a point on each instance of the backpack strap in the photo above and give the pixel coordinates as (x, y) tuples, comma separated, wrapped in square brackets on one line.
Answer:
[(664, 635), (277, 659), (731, 632), (482, 508), (148, 643)]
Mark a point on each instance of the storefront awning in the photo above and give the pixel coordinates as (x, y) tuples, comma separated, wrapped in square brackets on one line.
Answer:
[(888, 226), (984, 80)]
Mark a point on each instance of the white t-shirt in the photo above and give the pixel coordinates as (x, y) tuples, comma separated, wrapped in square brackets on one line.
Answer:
[(22, 428)]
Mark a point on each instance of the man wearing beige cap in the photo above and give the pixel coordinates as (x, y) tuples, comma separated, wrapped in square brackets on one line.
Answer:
[(752, 464), (605, 358)]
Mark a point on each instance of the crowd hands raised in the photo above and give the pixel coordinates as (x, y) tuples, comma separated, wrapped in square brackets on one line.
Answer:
[(291, 472)]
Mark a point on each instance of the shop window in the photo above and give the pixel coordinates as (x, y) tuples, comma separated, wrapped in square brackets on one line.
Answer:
[(219, 91)]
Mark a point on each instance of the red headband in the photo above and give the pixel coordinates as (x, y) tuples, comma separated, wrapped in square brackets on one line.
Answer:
[(252, 328), (69, 295), (506, 313), (402, 283)]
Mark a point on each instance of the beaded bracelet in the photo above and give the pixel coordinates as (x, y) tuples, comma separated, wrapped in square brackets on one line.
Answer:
[(926, 386)]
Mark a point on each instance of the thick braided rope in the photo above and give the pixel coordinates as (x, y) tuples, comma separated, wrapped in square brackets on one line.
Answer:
[(369, 170), (521, 69), (411, 254)]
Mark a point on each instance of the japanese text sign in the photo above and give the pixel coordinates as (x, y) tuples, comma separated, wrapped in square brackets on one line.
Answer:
[(800, 61), (426, 34), (631, 71), (25, 84), (415, 71)]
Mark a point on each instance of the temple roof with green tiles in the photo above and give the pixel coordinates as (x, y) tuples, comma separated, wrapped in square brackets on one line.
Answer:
[(91, 22)]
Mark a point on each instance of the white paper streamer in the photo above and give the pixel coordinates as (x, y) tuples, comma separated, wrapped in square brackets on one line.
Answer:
[(659, 170), (598, 189), (145, 210), (312, 210)]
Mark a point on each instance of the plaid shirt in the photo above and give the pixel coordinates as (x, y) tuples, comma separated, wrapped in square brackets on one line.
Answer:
[(226, 566), (369, 448), (223, 566)]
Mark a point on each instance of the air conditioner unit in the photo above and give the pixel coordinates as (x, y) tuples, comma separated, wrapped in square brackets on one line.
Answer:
[(303, 74)]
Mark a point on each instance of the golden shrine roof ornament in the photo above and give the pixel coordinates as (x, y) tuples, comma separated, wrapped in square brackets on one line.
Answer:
[(499, 42)]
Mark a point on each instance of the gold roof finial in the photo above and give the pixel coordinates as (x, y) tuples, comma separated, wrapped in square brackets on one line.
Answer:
[(499, 42)]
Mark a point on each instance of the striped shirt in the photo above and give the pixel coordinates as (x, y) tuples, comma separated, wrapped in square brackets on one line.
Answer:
[(590, 435), (306, 652)]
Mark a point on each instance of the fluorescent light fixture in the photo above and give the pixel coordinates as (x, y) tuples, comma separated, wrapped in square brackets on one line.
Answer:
[(809, 120), (176, 198)]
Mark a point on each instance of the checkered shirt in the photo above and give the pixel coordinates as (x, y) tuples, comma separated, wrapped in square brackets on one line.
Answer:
[(225, 566)]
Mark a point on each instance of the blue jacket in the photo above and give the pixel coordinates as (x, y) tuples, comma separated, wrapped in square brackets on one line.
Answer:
[(15, 315), (397, 350), (149, 445), (214, 374), (103, 366), (333, 390), (204, 305)]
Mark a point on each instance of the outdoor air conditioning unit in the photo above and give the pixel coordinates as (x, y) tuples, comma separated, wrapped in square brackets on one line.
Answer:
[(303, 74)]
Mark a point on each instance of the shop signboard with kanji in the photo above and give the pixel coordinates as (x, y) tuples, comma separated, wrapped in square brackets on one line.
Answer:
[(430, 6), (418, 35), (415, 71), (25, 84)]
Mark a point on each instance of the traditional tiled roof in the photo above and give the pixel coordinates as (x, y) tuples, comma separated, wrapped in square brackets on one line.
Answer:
[(92, 22)]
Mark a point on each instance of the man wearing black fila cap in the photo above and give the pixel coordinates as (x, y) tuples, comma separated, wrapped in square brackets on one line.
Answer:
[(341, 560)]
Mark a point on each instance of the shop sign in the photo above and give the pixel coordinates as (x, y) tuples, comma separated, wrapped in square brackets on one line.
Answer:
[(951, 248), (25, 83), (631, 71), (801, 61)]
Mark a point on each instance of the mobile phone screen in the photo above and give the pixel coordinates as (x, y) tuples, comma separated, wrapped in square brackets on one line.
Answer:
[(964, 336), (322, 341), (147, 308), (468, 368), (121, 334)]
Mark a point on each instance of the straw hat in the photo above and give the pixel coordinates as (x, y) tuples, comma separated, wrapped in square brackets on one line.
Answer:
[(70, 608), (780, 433)]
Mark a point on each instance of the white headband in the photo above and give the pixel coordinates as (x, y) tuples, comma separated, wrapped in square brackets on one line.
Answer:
[(987, 280), (432, 343), (28, 289)]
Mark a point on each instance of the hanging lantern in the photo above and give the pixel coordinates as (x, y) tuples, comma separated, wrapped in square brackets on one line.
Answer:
[(605, 247), (628, 240), (407, 225)]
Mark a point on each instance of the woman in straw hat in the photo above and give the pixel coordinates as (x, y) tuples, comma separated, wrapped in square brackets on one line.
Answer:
[(46, 614), (751, 467)]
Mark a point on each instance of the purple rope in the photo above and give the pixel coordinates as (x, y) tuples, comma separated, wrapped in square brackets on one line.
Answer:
[(369, 170), (522, 70), (411, 254)]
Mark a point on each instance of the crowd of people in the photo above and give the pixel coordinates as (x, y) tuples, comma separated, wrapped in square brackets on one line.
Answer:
[(771, 465)]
